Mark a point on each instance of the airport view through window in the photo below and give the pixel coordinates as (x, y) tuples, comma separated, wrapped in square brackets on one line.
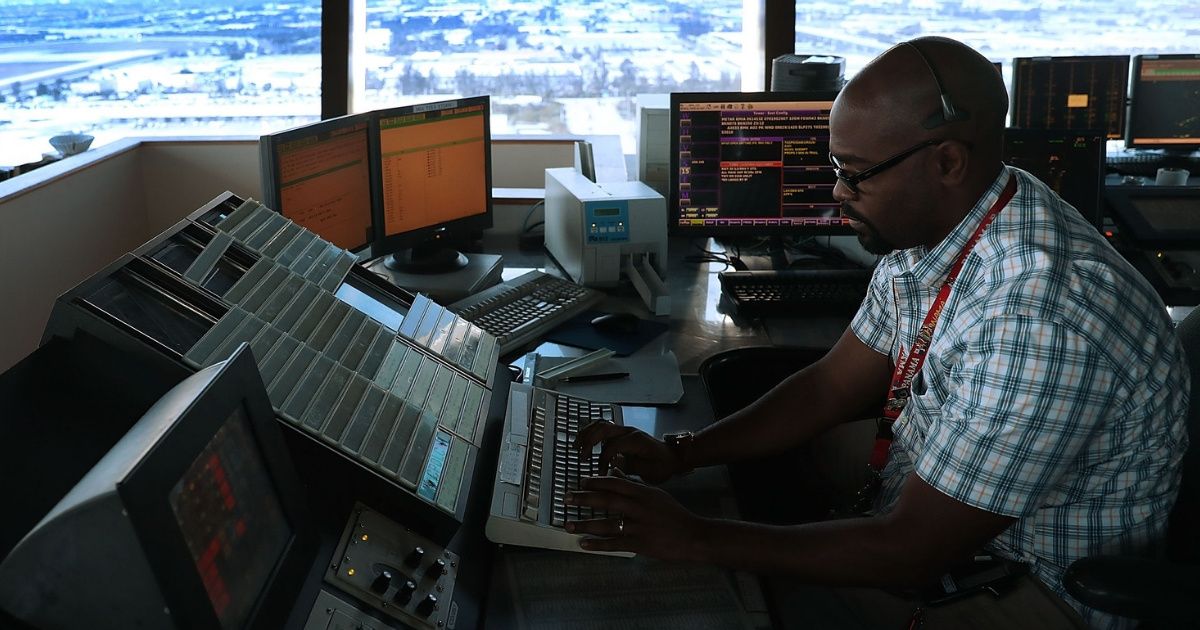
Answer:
[(140, 68)]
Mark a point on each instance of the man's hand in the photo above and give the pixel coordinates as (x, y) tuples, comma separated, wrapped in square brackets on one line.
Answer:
[(631, 450), (649, 522)]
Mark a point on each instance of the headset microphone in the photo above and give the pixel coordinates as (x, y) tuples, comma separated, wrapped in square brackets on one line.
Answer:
[(949, 112)]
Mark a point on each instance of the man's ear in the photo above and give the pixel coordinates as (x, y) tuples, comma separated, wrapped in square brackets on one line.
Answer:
[(953, 158)]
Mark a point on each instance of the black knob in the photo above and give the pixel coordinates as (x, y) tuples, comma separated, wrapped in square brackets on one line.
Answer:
[(405, 593), (414, 557), (425, 608), (435, 570), (382, 582)]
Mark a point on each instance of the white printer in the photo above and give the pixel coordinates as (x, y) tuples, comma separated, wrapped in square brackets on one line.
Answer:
[(598, 232)]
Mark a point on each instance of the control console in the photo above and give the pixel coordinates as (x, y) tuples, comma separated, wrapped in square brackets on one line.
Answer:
[(392, 569)]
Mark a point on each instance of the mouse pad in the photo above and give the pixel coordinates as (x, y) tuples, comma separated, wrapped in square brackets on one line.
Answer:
[(579, 332)]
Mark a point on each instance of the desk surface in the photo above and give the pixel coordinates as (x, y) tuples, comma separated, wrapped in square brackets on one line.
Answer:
[(701, 324)]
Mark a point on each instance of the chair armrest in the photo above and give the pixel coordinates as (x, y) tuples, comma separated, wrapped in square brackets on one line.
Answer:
[(1135, 587)]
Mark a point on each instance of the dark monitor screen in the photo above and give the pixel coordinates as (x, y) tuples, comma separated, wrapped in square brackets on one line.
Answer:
[(194, 518), (1164, 110), (1157, 216), (1077, 93), (1070, 162), (231, 519), (752, 164), (319, 176), (217, 502), (435, 177)]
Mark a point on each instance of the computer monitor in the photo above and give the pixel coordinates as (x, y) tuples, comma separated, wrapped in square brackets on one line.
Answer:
[(194, 518), (1077, 93), (1070, 162), (434, 181), (752, 164), (319, 175), (1164, 107)]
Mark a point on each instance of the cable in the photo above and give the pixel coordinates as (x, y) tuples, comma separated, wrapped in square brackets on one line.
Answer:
[(706, 256), (525, 227)]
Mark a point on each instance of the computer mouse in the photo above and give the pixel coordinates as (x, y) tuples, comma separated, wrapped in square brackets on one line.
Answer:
[(616, 323)]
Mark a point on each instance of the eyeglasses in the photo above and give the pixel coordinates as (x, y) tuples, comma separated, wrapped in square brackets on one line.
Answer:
[(852, 180)]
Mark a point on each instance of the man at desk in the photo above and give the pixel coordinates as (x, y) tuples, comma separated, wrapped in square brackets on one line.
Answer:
[(1034, 391)]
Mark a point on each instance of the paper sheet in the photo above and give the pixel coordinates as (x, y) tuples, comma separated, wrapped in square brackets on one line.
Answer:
[(652, 380)]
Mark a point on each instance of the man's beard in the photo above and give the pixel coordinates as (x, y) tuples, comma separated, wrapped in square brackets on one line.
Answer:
[(869, 237)]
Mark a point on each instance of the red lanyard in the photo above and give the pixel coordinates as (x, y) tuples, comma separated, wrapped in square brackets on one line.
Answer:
[(908, 367)]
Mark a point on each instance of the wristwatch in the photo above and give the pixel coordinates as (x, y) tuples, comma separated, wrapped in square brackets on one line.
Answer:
[(681, 445)]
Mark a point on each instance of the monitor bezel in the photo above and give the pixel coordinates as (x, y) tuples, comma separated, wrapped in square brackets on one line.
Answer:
[(1123, 111), (1096, 218), (145, 495), (454, 231), (673, 213), (1135, 70)]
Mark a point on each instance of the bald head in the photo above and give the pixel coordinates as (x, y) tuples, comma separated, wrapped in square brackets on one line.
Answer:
[(931, 112), (899, 91)]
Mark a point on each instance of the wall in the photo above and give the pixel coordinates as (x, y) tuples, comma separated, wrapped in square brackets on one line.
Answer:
[(179, 176), (59, 225)]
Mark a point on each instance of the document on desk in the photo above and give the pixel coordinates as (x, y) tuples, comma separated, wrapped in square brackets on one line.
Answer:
[(651, 380)]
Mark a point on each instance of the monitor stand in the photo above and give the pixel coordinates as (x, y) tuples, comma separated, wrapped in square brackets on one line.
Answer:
[(479, 272), (430, 258)]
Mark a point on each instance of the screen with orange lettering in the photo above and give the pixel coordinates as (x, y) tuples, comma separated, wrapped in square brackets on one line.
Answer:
[(433, 166), (325, 183)]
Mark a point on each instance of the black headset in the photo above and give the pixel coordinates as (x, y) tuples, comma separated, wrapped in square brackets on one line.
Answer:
[(949, 112)]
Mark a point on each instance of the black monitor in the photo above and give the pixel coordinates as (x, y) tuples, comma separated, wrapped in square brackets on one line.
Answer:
[(752, 164), (1164, 107), (434, 182), (319, 175), (194, 518), (1070, 162), (1077, 93)]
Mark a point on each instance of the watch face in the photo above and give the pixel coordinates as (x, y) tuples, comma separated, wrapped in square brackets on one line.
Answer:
[(677, 438)]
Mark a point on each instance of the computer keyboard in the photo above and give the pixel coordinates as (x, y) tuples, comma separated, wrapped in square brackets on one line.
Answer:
[(795, 292), (525, 308), (1146, 164), (538, 467)]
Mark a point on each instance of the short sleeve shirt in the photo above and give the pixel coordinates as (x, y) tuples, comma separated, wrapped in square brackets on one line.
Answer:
[(1054, 390)]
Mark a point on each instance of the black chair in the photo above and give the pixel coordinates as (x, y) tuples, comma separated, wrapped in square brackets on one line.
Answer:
[(1161, 593), (736, 378)]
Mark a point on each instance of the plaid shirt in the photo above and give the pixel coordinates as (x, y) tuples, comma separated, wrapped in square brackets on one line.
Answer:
[(1055, 389)]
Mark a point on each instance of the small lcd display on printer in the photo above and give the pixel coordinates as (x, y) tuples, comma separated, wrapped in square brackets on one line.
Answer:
[(606, 212)]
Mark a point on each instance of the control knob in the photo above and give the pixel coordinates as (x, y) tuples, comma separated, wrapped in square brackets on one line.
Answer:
[(425, 608), (414, 557), (382, 582), (405, 593), (435, 570)]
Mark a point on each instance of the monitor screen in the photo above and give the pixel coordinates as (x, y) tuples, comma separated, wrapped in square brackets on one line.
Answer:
[(752, 164), (319, 176), (1070, 162), (217, 502), (1078, 93), (194, 518), (435, 178), (1164, 110), (231, 519)]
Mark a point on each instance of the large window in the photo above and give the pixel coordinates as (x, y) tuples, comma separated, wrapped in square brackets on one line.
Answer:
[(551, 67), (860, 30), (119, 68)]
